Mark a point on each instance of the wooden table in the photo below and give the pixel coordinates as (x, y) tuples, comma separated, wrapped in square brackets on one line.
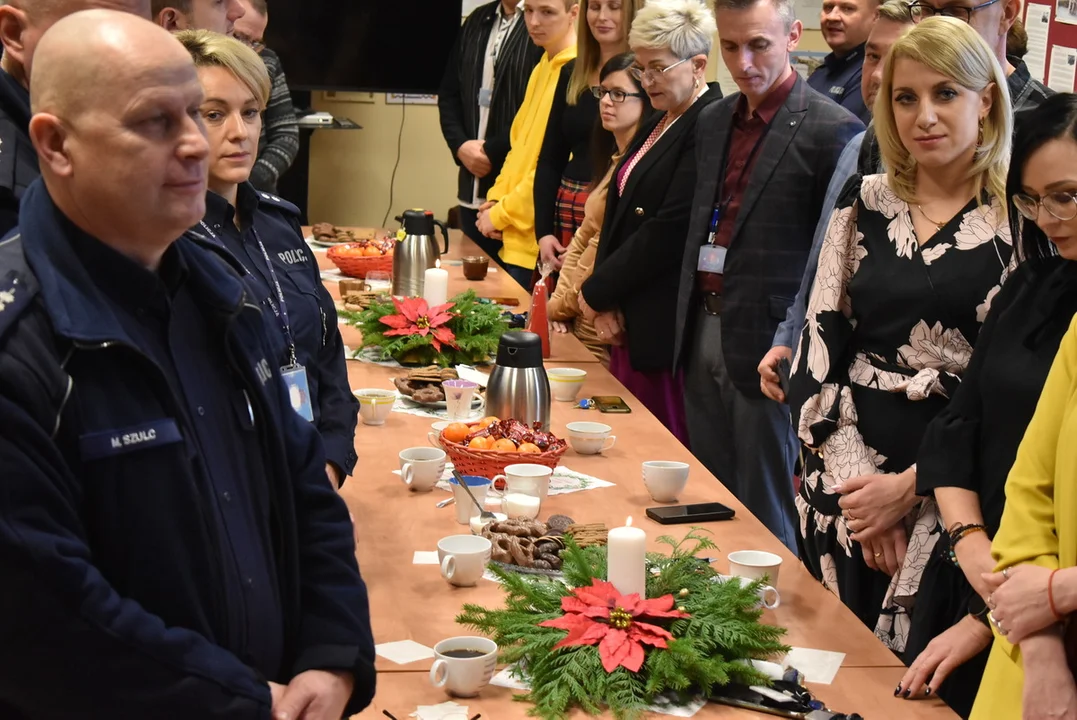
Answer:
[(413, 602)]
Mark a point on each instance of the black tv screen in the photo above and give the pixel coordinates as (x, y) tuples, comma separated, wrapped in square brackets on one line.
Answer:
[(363, 45)]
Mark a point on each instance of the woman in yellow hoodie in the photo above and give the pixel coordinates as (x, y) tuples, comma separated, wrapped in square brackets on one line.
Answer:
[(509, 211)]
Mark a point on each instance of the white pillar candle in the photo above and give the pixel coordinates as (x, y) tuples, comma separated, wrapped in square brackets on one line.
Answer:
[(518, 505), (626, 560), (436, 286)]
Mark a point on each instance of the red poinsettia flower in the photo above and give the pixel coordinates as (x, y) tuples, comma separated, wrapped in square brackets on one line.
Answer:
[(600, 614), (416, 318)]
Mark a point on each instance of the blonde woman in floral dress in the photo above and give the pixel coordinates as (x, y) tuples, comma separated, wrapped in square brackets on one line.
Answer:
[(906, 275)]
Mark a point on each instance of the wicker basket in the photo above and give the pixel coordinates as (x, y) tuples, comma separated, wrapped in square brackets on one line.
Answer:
[(488, 463), (358, 267)]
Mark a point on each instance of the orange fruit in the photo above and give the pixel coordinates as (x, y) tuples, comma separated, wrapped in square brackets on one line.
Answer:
[(480, 443), (505, 445), (530, 448), (488, 421), (457, 432), (372, 251)]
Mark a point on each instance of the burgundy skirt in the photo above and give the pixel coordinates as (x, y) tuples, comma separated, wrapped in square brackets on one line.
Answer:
[(660, 391)]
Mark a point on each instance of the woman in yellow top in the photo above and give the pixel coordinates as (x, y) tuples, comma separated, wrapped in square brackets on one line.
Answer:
[(509, 211), (1036, 545)]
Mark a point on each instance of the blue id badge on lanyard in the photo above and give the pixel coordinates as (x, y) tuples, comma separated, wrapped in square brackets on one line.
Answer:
[(295, 379)]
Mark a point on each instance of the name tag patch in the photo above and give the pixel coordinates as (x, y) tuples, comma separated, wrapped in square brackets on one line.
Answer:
[(108, 443), (837, 90), (293, 256)]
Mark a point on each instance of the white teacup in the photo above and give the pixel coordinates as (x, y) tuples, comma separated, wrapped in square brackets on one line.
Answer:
[(464, 665), (565, 383), (375, 405), (525, 480), (590, 438), (421, 467), (768, 594), (755, 565), (665, 479), (434, 436), (463, 558)]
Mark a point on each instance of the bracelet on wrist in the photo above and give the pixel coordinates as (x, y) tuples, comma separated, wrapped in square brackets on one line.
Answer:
[(957, 533)]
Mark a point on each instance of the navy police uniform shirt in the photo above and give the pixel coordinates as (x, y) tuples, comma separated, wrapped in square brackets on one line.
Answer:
[(18, 159), (311, 311), (162, 316), (839, 79)]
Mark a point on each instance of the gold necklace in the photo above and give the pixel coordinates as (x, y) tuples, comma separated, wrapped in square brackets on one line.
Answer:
[(938, 225)]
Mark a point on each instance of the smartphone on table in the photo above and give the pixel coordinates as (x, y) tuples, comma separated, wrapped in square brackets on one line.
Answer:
[(700, 512), (611, 404)]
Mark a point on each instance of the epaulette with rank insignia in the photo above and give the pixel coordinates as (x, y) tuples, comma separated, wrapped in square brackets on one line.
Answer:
[(278, 202), (8, 153)]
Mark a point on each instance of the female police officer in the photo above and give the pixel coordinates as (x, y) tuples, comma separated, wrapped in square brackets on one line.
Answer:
[(262, 233)]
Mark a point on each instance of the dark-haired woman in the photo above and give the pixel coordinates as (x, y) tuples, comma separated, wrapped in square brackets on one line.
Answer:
[(623, 107), (969, 448)]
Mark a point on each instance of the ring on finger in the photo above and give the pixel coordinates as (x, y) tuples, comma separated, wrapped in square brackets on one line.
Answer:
[(991, 601), (878, 555), (1006, 573)]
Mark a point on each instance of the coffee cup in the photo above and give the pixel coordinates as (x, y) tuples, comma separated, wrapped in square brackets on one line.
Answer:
[(375, 405), (421, 467), (768, 594), (463, 558), (434, 436), (590, 438), (665, 480), (565, 383), (465, 508), (755, 565), (527, 485), (463, 665)]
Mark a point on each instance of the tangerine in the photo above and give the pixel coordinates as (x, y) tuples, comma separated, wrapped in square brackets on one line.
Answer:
[(488, 421), (480, 443), (372, 251), (529, 448), (505, 445), (457, 432)]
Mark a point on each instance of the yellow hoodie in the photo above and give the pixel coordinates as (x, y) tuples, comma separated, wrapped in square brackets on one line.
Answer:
[(514, 213)]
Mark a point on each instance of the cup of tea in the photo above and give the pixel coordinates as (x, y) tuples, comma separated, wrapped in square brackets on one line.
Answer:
[(434, 436), (463, 558), (565, 383), (665, 480), (590, 438), (755, 565), (465, 508), (463, 665), (421, 467), (476, 267), (768, 595), (375, 405)]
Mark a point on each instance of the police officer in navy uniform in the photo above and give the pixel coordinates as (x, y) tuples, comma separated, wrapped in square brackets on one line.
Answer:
[(262, 232), (169, 544), (21, 23)]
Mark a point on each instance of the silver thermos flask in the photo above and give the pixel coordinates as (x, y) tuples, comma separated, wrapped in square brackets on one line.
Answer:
[(518, 387)]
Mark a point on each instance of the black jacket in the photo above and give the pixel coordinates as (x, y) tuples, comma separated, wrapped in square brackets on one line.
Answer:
[(312, 312), (458, 97), (101, 554), (638, 265), (18, 159)]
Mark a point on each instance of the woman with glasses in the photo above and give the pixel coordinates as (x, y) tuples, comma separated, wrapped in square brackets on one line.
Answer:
[(970, 446), (632, 292), (261, 236), (564, 165), (623, 106), (907, 272)]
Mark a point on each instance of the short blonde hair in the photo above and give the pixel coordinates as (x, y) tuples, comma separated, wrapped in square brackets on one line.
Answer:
[(684, 27), (894, 11), (951, 48), (210, 49)]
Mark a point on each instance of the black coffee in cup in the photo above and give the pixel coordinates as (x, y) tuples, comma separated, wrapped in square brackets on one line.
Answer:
[(464, 653)]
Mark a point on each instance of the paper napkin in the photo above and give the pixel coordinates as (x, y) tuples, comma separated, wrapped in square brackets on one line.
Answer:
[(403, 652)]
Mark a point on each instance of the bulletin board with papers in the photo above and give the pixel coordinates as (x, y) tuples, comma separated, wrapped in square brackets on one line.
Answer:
[(1052, 43)]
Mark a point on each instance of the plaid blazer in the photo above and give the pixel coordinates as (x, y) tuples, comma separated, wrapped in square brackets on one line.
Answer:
[(772, 235)]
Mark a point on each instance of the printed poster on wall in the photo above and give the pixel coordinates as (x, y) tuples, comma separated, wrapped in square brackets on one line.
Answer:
[(1066, 12)]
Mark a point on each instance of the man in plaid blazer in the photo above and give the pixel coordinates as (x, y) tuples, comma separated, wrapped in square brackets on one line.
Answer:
[(765, 157)]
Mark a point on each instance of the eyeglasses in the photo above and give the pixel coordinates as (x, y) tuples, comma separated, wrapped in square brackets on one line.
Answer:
[(651, 75), (1062, 205), (617, 96), (921, 10)]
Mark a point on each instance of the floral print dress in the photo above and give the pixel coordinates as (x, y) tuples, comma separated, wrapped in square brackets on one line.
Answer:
[(889, 331)]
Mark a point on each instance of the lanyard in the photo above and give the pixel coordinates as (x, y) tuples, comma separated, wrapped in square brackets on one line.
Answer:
[(721, 205), (279, 310)]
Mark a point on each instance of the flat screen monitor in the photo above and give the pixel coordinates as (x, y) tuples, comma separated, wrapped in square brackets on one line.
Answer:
[(363, 45)]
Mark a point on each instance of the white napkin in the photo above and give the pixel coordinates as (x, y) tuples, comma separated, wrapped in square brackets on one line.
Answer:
[(444, 711), (403, 652), (817, 666), (425, 557)]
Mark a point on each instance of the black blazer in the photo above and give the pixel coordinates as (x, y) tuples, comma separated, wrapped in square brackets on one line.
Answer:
[(637, 268), (458, 97), (772, 235)]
